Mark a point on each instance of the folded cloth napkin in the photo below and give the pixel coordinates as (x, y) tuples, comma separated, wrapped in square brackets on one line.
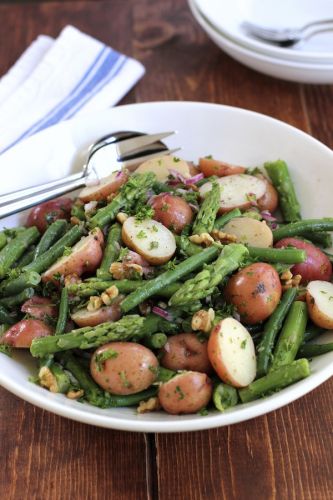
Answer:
[(56, 79)]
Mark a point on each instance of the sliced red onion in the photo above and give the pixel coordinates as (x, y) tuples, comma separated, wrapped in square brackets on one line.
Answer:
[(194, 179), (267, 216), (177, 175), (161, 312), (274, 225), (119, 173), (195, 208)]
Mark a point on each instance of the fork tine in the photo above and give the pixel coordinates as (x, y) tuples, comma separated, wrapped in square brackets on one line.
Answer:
[(129, 146), (141, 159)]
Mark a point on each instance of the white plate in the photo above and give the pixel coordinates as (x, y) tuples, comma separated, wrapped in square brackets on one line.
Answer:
[(233, 134), (228, 16), (279, 68)]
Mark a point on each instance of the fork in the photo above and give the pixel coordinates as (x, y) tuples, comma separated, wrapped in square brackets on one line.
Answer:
[(287, 37), (108, 154)]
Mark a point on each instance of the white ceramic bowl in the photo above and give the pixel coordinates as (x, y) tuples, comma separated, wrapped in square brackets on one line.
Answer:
[(233, 134), (273, 66), (227, 17)]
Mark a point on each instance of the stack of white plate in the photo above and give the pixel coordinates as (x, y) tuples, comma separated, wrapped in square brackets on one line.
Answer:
[(310, 61)]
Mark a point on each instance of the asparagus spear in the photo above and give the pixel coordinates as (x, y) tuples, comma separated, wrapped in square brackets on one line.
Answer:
[(186, 246), (15, 300), (204, 222), (111, 251), (63, 312), (12, 286), (291, 336), (224, 396), (204, 283), (55, 231), (279, 173), (283, 255), (154, 286), (52, 376), (299, 228), (124, 286), (16, 248), (275, 380), (271, 329), (134, 188), (7, 317)]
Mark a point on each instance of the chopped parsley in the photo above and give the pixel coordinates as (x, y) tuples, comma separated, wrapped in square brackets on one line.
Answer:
[(203, 412), (153, 244), (67, 251), (104, 356), (144, 212), (154, 229), (122, 254), (176, 159), (243, 344), (124, 379), (180, 392), (141, 235), (6, 349), (165, 207)]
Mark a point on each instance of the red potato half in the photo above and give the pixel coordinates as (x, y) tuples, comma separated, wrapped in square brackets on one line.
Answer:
[(149, 238), (255, 291), (185, 352), (124, 367), (270, 200), (186, 393), (319, 299), (210, 166), (317, 265), (83, 317), (237, 191), (161, 167), (107, 185), (172, 211), (44, 214), (24, 332), (232, 354), (39, 307), (85, 256), (250, 231)]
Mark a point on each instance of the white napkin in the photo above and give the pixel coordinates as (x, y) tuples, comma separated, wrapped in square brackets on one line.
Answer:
[(56, 79)]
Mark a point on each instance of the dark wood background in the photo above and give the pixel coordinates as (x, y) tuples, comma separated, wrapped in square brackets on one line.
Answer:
[(286, 454)]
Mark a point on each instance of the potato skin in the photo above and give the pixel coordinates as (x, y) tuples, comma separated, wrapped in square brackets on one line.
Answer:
[(39, 307), (317, 316), (209, 167), (270, 200), (255, 290), (187, 392), (44, 214), (185, 352), (317, 265), (83, 317), (24, 332), (131, 368), (172, 211), (110, 185)]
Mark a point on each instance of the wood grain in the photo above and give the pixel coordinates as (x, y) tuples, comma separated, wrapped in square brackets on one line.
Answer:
[(286, 454)]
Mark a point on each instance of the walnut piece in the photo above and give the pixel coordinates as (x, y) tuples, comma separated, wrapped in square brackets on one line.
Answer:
[(203, 320), (123, 270), (47, 379), (75, 394), (152, 404), (109, 294), (202, 239), (121, 217), (94, 303), (223, 237), (72, 279)]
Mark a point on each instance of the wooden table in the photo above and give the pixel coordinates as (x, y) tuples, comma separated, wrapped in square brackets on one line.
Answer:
[(286, 454)]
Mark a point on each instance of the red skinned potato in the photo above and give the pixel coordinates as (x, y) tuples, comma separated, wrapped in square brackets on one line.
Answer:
[(187, 392), (123, 367), (231, 352), (255, 291), (270, 200), (24, 332), (319, 299), (237, 191), (185, 352), (317, 265), (209, 167), (84, 257), (107, 185), (40, 307), (44, 214), (83, 317), (172, 211)]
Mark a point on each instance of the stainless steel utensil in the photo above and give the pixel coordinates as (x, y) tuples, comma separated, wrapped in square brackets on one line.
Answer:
[(112, 152), (287, 37)]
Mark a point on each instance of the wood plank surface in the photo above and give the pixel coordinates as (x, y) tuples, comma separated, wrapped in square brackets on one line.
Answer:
[(286, 454)]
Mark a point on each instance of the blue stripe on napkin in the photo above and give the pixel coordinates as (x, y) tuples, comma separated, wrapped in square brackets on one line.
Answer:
[(103, 69)]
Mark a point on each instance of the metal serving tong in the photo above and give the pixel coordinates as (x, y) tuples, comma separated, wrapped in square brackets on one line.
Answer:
[(125, 149)]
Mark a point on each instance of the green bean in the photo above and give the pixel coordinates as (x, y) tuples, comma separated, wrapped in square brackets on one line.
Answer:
[(156, 340), (16, 247), (221, 221), (283, 255), (271, 329), (164, 374), (18, 299), (26, 258), (312, 331), (152, 287), (323, 239), (7, 317), (186, 246), (291, 336), (224, 396), (111, 252), (161, 187), (55, 231), (48, 258), (279, 174), (302, 227), (12, 286), (63, 312), (312, 350), (275, 380), (206, 216)]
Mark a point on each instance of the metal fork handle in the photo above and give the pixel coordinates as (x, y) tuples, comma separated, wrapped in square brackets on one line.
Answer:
[(23, 203), (316, 27), (31, 191)]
